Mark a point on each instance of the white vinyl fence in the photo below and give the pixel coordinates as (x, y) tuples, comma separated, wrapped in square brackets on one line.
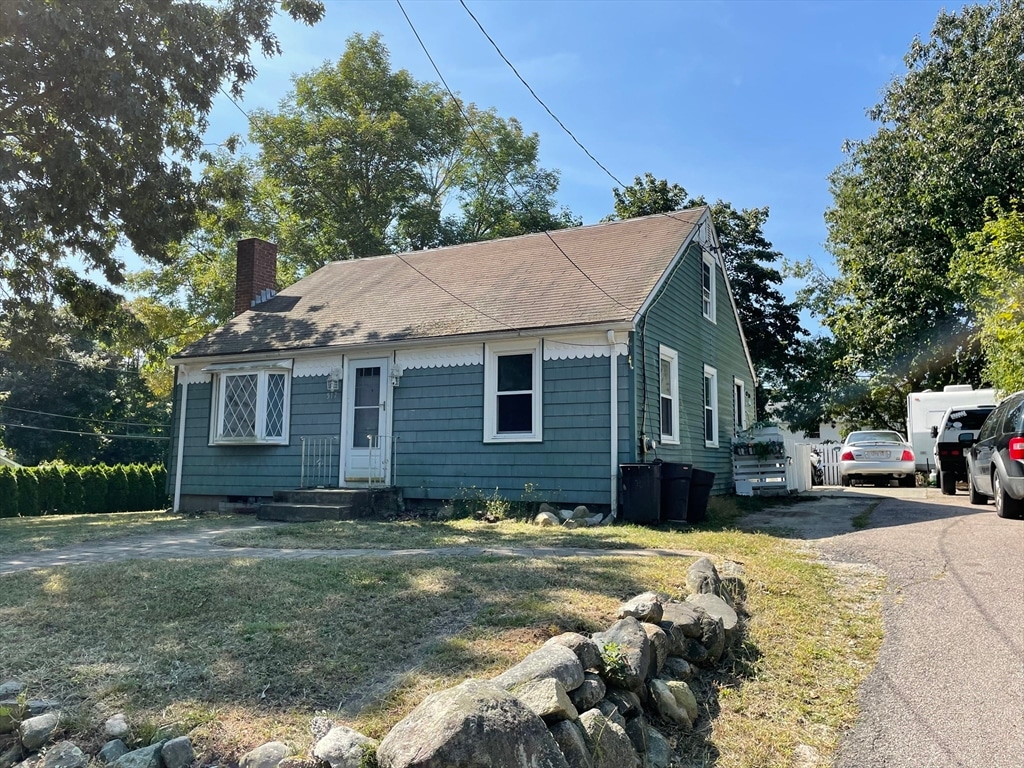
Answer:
[(785, 468)]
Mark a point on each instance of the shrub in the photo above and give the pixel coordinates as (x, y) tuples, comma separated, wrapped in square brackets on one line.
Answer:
[(28, 492), (159, 472), (51, 489), (73, 499), (94, 490), (147, 494), (117, 488), (8, 493)]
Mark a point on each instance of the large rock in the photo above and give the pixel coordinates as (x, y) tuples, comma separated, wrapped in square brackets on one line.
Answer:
[(608, 742), (112, 750), (713, 638), (626, 650), (717, 608), (147, 757), (343, 747), (116, 726), (64, 755), (645, 607), (586, 650), (36, 731), (702, 578), (547, 698), (177, 753), (665, 704), (265, 756), (649, 742), (677, 668), (684, 698), (570, 740), (588, 694), (546, 519), (680, 621), (554, 660), (660, 646), (475, 725)]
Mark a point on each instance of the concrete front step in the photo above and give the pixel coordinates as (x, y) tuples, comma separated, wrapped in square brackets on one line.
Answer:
[(302, 513)]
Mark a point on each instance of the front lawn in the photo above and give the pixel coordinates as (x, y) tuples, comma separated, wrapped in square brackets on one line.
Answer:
[(240, 651)]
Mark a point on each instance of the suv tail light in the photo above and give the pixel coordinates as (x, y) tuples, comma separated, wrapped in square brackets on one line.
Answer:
[(1017, 448), (847, 456), (907, 456)]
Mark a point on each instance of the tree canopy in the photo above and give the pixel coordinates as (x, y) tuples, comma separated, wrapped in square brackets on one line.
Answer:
[(908, 198), (103, 106), (771, 324)]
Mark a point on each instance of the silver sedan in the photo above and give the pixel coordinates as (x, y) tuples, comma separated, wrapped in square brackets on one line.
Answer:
[(876, 455)]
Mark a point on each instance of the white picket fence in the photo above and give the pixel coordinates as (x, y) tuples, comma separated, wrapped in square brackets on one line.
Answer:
[(786, 472)]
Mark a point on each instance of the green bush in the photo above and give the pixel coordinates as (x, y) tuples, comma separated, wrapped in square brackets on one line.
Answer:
[(117, 488), (51, 489), (74, 503), (8, 493), (147, 493), (28, 492), (159, 472), (94, 490)]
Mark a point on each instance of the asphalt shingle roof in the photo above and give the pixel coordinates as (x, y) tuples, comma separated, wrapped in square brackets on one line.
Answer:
[(516, 283)]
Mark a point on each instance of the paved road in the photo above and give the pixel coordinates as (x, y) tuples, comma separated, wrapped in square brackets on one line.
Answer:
[(948, 690)]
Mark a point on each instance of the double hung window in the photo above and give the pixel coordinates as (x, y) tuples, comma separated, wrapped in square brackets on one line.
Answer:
[(668, 366), (710, 407), (739, 404), (707, 285), (250, 406), (512, 393)]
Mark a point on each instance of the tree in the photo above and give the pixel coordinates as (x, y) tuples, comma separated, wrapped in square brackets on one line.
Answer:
[(908, 197), (770, 323), (990, 273), (103, 106)]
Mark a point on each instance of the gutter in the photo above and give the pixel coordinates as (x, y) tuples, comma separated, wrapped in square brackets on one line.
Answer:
[(176, 506)]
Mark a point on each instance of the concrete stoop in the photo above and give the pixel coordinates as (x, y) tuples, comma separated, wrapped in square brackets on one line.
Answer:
[(304, 506)]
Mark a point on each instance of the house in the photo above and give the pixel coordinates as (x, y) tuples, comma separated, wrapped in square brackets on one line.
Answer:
[(539, 362)]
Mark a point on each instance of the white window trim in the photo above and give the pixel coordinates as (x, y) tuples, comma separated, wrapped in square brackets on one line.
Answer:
[(666, 353), (262, 371), (711, 313), (710, 373), (491, 353), (740, 416)]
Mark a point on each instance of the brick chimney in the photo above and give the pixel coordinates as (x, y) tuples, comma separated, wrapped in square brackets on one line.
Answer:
[(256, 271)]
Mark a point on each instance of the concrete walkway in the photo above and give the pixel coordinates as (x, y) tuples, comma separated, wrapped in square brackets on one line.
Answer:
[(190, 544)]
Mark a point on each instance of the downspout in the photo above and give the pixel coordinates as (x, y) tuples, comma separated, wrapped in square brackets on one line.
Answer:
[(613, 387), (181, 439)]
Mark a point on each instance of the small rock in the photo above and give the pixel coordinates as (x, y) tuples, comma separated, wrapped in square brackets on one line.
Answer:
[(547, 508), (586, 650), (13, 754), (717, 608), (554, 660), (580, 513), (265, 756), (64, 755), (594, 520), (36, 731), (702, 578), (573, 745), (608, 742), (571, 524), (632, 649), (665, 704), (116, 726), (147, 757), (646, 607), (696, 653), (684, 698), (659, 751), (320, 726), (677, 668), (565, 514), (587, 695), (343, 747), (178, 753), (636, 729), (627, 702), (546, 519), (547, 698), (732, 569), (112, 750), (659, 647), (611, 711), (11, 688), (806, 756)]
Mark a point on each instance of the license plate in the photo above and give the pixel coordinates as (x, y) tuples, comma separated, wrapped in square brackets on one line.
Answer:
[(876, 454)]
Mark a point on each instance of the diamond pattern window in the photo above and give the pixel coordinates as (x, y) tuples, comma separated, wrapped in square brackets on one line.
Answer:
[(250, 407)]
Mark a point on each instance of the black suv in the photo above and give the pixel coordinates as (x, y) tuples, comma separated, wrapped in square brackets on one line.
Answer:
[(956, 433), (995, 464)]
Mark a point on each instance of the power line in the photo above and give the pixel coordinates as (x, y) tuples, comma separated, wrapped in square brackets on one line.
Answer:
[(84, 434), (85, 418), (484, 146), (91, 367), (538, 98)]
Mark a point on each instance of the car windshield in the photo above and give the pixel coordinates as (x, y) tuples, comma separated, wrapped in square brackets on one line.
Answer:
[(967, 418), (874, 437)]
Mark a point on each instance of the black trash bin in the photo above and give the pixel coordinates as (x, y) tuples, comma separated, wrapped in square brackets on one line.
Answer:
[(700, 491), (641, 492), (675, 491)]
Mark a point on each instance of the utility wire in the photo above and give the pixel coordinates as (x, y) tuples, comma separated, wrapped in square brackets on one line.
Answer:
[(538, 98), (484, 146), (84, 434), (78, 364), (85, 418)]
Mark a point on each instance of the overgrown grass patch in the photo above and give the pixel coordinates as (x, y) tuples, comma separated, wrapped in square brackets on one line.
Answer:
[(240, 651)]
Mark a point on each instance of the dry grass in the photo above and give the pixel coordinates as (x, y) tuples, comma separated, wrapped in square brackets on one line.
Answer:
[(241, 651), (34, 534)]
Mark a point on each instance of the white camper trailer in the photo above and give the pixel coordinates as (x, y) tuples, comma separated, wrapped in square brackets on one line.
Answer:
[(925, 409)]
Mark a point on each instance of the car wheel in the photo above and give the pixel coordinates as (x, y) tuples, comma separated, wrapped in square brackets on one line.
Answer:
[(1006, 506), (844, 481), (908, 481), (947, 482), (976, 498)]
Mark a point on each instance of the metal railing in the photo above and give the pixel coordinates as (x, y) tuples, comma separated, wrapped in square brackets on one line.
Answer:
[(319, 462)]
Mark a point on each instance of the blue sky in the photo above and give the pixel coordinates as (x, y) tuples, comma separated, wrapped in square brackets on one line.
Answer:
[(745, 101)]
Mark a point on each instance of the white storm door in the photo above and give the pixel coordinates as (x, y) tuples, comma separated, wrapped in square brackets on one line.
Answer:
[(367, 446)]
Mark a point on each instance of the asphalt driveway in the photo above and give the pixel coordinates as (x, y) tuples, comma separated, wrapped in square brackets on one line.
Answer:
[(948, 690)]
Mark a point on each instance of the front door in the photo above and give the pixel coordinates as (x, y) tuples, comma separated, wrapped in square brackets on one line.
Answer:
[(367, 444)]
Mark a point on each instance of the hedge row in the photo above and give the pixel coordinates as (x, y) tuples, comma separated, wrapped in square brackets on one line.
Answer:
[(54, 489)]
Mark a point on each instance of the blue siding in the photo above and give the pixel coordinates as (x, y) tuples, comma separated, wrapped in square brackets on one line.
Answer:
[(250, 470), (440, 453)]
